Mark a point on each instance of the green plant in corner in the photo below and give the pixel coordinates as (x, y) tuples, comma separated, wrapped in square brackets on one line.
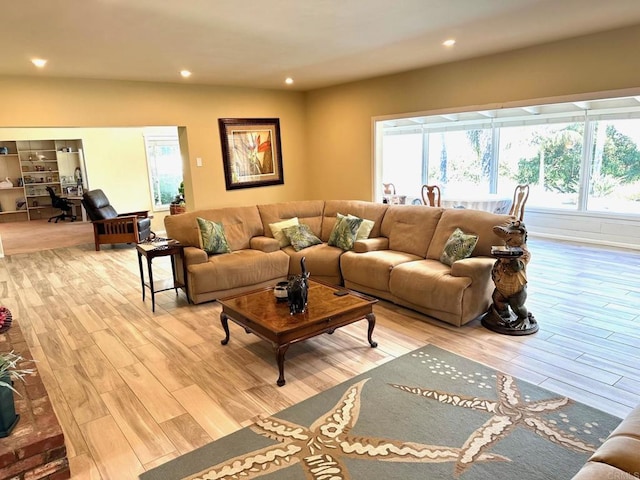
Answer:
[(9, 369)]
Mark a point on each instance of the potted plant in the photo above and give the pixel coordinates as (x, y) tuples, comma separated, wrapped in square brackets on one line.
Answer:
[(10, 370), (178, 204)]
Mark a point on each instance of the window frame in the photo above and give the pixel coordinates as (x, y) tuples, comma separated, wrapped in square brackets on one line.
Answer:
[(584, 112), (149, 140)]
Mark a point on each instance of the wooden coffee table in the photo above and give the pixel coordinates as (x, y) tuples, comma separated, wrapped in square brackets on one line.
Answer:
[(259, 313)]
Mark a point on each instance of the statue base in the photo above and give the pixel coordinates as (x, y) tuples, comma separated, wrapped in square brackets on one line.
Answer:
[(511, 325)]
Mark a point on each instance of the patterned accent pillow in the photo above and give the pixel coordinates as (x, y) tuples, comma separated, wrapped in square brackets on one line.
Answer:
[(212, 237), (344, 232), (365, 229), (459, 246), (278, 234), (301, 237)]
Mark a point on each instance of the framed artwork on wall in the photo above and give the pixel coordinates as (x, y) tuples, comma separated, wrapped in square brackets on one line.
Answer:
[(251, 152)]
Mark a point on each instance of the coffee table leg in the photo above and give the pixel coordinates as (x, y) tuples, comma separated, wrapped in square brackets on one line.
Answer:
[(280, 351), (224, 318), (371, 318)]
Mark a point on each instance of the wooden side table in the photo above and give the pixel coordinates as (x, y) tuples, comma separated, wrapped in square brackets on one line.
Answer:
[(153, 250)]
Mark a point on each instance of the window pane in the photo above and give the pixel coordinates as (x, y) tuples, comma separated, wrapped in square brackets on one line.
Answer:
[(460, 161), (165, 169), (547, 157), (614, 184), (402, 164)]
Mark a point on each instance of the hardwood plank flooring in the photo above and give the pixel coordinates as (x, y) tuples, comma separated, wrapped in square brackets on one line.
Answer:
[(133, 388)]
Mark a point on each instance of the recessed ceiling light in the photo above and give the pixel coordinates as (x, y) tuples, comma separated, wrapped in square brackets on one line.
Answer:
[(185, 73), (449, 43), (39, 62), (288, 81)]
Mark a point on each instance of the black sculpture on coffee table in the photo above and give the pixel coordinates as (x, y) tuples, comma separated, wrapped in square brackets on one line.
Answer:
[(298, 290), (508, 314)]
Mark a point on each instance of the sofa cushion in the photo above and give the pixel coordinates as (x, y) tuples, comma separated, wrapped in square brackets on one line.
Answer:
[(344, 232), (278, 233), (458, 246), (308, 212), (322, 261), (429, 283), (240, 268), (357, 208), (474, 222), (240, 225), (212, 237), (372, 269), (410, 228), (301, 237)]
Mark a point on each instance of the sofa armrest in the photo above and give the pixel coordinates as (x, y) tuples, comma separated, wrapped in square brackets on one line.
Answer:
[(371, 244), (264, 244), (195, 255), (477, 268)]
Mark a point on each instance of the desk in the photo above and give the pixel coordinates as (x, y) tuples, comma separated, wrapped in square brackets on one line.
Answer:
[(151, 251), (490, 202), (76, 202)]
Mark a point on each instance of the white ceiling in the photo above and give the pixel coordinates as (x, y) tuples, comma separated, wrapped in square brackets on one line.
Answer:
[(259, 43)]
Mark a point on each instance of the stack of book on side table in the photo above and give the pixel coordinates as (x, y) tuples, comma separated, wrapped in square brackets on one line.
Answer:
[(506, 251)]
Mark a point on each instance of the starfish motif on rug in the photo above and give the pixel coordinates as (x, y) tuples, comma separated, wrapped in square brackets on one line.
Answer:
[(321, 448), (508, 412)]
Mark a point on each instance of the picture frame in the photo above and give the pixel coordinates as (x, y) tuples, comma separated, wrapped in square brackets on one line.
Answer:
[(251, 152)]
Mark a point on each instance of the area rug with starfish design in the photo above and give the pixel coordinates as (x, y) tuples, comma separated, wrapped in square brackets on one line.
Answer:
[(429, 414)]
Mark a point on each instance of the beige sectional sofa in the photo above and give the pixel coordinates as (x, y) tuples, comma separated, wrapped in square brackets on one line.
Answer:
[(618, 458), (398, 262)]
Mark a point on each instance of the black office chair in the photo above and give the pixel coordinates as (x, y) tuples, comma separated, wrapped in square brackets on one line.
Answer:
[(63, 204)]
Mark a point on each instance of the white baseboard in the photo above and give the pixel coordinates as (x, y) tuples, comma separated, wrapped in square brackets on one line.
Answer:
[(589, 241)]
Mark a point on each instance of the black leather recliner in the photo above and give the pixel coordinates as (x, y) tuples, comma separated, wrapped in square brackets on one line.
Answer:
[(109, 227)]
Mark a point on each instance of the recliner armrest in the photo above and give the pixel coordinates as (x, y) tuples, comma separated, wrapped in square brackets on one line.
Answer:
[(473, 267), (117, 219), (195, 255), (371, 244), (141, 213), (264, 244)]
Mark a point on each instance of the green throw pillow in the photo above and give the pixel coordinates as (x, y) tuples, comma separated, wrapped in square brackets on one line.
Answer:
[(301, 236), (212, 237), (459, 246), (344, 232)]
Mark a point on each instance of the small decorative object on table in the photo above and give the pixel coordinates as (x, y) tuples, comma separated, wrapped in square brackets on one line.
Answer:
[(281, 292), (298, 290), (508, 314)]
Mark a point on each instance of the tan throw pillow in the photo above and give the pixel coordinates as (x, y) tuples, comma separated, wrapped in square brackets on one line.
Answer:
[(459, 246), (365, 229), (278, 234), (212, 237)]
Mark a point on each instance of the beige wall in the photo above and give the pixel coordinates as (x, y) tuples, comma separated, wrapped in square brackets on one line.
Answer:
[(340, 151), (326, 133), (40, 102)]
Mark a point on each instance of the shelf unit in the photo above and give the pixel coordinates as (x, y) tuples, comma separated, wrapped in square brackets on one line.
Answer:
[(34, 165)]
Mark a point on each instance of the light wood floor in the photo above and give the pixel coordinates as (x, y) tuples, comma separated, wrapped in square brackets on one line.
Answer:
[(134, 389)]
